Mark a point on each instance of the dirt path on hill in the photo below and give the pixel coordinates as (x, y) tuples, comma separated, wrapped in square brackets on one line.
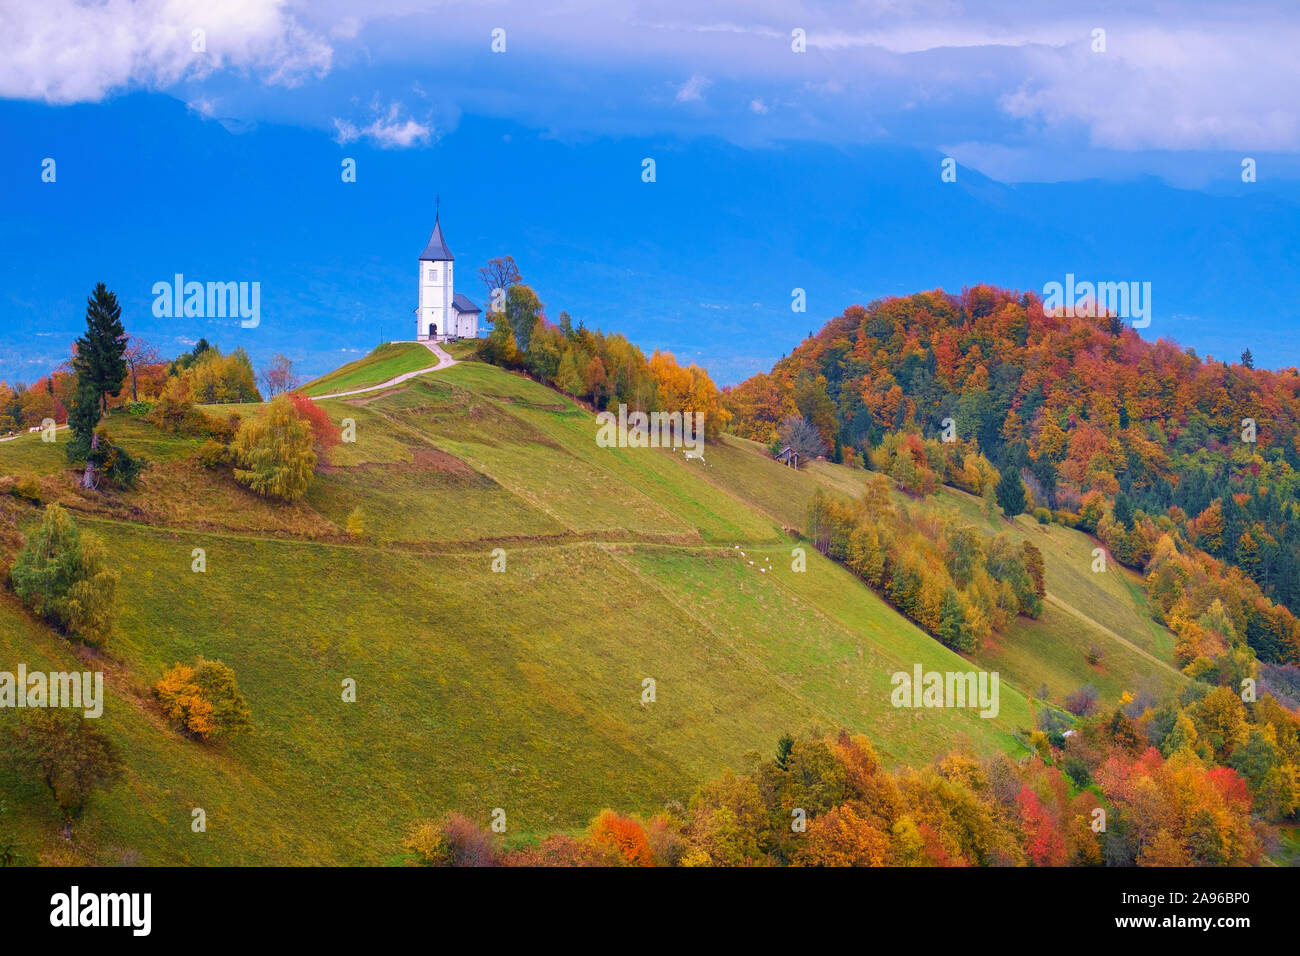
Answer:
[(21, 434), (1068, 609), (444, 361)]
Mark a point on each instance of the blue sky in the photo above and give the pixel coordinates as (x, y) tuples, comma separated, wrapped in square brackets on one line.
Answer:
[(775, 169)]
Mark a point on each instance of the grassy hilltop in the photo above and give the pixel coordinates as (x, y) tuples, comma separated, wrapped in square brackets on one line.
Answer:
[(520, 690)]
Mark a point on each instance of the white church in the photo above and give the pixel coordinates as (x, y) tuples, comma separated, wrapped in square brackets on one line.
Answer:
[(444, 314)]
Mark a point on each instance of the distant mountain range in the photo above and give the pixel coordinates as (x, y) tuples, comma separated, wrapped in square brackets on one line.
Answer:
[(702, 261)]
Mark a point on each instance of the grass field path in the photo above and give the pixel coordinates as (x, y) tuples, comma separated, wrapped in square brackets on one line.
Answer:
[(444, 361), (1070, 609), (20, 434)]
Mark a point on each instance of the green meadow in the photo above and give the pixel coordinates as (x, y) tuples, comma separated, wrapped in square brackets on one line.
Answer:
[(519, 689), (386, 362)]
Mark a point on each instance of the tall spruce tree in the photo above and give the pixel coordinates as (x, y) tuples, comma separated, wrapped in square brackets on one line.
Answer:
[(83, 417), (1010, 491), (1124, 511), (101, 351), (101, 369)]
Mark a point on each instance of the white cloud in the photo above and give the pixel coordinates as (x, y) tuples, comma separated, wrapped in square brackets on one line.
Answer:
[(1022, 82), (61, 51), (693, 89), (388, 131), (1202, 86), (203, 106)]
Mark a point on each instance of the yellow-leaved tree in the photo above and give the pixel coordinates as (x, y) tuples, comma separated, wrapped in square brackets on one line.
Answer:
[(688, 390), (204, 699), (273, 452)]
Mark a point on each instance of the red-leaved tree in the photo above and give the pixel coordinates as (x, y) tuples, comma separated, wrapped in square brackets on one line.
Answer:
[(325, 434)]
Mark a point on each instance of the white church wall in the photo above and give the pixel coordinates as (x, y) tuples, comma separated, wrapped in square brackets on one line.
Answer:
[(434, 299), (448, 293)]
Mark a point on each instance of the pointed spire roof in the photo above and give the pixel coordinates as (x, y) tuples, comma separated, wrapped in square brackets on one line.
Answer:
[(436, 250)]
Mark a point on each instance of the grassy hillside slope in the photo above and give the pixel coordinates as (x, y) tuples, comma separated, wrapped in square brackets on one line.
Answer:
[(386, 362), (1085, 610), (476, 690)]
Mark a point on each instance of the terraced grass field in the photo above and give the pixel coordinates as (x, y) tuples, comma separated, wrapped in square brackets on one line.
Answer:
[(478, 689)]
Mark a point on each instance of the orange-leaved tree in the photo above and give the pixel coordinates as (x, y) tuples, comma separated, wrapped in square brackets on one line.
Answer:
[(623, 834)]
